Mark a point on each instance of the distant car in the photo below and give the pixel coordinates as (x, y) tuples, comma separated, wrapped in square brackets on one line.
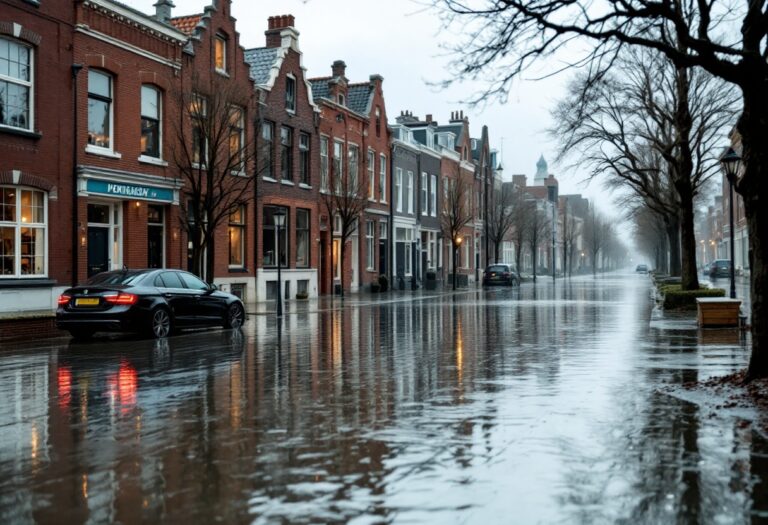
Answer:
[(720, 268), (503, 274), (154, 302), (642, 268)]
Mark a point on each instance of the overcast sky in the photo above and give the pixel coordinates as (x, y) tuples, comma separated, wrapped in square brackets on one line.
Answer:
[(400, 40)]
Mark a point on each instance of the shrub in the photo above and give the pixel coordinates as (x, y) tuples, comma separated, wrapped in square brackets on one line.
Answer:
[(383, 283), (677, 299), (302, 295)]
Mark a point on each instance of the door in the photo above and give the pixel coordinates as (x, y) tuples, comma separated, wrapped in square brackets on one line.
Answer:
[(98, 250), (180, 299), (155, 237), (383, 257), (208, 306)]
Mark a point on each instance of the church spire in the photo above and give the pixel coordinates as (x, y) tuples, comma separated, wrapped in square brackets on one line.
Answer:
[(542, 171)]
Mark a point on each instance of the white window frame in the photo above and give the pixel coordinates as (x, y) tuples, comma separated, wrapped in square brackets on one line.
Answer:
[(410, 192), (93, 148), (17, 225), (353, 159), (290, 105), (371, 175), (324, 165), (399, 189), (383, 178), (370, 236), (424, 193), (220, 39), (338, 165), (159, 119), (433, 195), (28, 84)]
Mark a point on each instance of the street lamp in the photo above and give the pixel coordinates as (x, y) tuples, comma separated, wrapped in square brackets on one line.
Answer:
[(279, 218), (457, 244), (731, 162)]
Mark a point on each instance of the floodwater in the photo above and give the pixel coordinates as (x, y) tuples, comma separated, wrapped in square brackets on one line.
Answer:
[(531, 405)]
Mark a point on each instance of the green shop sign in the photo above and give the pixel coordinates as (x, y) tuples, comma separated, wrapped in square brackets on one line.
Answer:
[(129, 191)]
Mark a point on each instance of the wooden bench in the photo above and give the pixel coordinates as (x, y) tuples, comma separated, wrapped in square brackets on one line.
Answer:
[(717, 311)]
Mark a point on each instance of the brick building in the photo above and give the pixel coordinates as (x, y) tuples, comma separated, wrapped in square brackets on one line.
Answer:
[(36, 153), (288, 176)]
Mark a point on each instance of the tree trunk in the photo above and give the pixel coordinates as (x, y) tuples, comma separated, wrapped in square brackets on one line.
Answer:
[(673, 238), (752, 126), (210, 258), (342, 254), (496, 250), (533, 258), (518, 256), (689, 273)]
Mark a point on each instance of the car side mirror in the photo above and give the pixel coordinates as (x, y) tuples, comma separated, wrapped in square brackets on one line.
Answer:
[(212, 287)]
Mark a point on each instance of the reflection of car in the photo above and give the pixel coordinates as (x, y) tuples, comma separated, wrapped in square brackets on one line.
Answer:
[(149, 301), (641, 268), (720, 268), (500, 274)]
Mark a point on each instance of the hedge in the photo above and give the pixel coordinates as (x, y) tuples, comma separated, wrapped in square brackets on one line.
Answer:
[(675, 298)]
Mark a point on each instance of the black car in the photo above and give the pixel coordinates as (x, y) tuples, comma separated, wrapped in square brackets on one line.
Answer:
[(154, 302), (720, 268), (641, 268), (502, 274)]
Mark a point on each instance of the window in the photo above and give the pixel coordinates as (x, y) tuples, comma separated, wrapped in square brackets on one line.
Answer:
[(398, 188), (198, 112), (286, 153), (378, 121), (237, 238), (340, 99), (236, 139), (304, 158), (383, 177), (99, 109), (354, 159), (433, 196), (268, 149), (23, 232), (338, 170), (15, 85), (370, 229), (170, 280), (371, 175), (269, 232), (190, 281), (220, 54), (324, 163), (409, 193), (290, 93), (382, 229), (424, 194), (302, 238), (150, 121)]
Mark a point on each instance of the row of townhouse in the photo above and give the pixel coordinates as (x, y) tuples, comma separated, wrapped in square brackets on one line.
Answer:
[(150, 140)]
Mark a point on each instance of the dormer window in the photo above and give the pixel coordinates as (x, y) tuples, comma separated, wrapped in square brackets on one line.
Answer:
[(290, 93), (378, 122), (341, 99), (220, 54)]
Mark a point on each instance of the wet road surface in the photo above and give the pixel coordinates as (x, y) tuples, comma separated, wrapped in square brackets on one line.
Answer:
[(530, 405)]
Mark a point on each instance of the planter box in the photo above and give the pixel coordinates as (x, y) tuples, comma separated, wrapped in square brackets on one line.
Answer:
[(717, 311)]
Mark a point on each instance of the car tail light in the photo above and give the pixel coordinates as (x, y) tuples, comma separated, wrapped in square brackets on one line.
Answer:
[(64, 299), (121, 298)]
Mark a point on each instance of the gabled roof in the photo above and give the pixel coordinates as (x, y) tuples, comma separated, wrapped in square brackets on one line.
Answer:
[(186, 24), (261, 60), (320, 87), (360, 98)]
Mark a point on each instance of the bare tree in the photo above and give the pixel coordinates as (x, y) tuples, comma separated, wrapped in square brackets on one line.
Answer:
[(215, 161), (728, 39), (501, 212), (538, 228), (571, 231), (457, 213), (518, 232), (596, 233), (345, 200)]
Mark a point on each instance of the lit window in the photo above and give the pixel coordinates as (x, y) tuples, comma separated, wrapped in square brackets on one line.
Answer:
[(220, 54), (237, 238), (15, 85), (99, 109), (23, 232), (198, 114), (236, 139), (150, 121)]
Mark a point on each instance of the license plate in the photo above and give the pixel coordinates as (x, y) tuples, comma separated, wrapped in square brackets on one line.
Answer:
[(87, 301)]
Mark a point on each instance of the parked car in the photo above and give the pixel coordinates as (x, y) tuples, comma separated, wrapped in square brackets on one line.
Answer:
[(720, 268), (154, 302), (642, 268), (500, 274)]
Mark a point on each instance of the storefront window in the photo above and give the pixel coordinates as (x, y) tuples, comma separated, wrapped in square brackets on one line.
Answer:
[(23, 231), (269, 237), (237, 238), (302, 238)]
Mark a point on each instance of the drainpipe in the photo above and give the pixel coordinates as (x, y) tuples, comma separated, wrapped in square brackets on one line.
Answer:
[(75, 208)]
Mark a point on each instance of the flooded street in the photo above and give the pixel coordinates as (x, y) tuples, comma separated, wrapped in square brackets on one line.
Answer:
[(530, 405)]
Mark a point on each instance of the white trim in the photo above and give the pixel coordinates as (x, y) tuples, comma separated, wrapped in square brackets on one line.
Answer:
[(146, 20), (102, 152), (286, 182), (305, 186), (152, 160), (128, 47), (268, 179)]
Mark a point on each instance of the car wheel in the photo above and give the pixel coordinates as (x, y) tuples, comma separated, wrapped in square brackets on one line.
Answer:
[(235, 316), (160, 324), (81, 334)]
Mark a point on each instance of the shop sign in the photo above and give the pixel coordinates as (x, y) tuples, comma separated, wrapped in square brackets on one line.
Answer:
[(129, 191)]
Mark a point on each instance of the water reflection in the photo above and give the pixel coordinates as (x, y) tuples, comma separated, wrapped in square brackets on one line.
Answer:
[(538, 402)]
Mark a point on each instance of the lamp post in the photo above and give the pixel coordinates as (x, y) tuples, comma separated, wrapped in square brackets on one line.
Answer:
[(731, 162), (456, 246), (279, 218)]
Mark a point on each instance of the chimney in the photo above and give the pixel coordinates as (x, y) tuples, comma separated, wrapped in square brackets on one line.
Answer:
[(275, 28), (429, 118), (339, 68), (163, 10)]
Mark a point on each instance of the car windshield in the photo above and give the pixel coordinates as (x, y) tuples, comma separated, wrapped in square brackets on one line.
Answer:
[(497, 268), (125, 277)]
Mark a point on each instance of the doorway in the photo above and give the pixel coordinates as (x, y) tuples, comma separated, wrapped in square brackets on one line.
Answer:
[(104, 237), (155, 237)]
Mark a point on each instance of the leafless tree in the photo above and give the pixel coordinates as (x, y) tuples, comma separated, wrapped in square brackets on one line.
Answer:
[(518, 232), (345, 200), (538, 229), (572, 230), (215, 162), (502, 208), (728, 39), (457, 213)]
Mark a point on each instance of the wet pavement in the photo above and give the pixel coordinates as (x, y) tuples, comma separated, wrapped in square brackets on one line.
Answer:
[(532, 405)]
